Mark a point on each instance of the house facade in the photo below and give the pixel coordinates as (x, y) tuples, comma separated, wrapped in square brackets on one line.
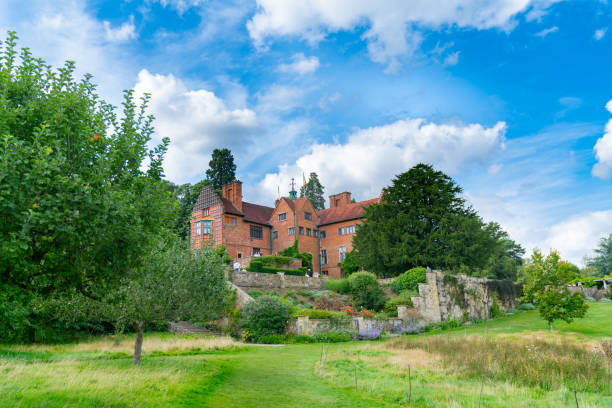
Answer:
[(247, 229)]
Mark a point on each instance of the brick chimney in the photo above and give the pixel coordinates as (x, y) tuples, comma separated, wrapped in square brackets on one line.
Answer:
[(339, 200), (233, 192)]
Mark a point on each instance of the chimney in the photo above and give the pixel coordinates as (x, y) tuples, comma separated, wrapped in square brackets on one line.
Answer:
[(339, 200), (233, 192)]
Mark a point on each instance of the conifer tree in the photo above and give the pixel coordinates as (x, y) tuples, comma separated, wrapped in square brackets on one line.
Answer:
[(313, 189)]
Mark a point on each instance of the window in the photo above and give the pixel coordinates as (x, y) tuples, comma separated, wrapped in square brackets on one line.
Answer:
[(206, 212), (239, 255), (341, 231), (256, 232), (275, 234), (282, 216), (316, 233), (308, 232), (342, 253), (301, 229), (322, 234), (206, 227), (291, 231), (230, 220), (256, 252), (350, 229), (325, 273), (198, 228), (308, 216), (324, 257)]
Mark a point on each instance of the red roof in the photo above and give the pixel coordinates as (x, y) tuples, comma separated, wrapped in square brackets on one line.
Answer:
[(257, 213), (347, 212), (229, 207)]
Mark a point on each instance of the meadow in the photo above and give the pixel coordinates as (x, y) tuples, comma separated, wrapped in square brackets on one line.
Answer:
[(516, 361)]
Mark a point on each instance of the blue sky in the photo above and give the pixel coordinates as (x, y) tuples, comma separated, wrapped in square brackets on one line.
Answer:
[(508, 97)]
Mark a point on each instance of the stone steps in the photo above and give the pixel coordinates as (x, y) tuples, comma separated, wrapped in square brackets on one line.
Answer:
[(182, 327)]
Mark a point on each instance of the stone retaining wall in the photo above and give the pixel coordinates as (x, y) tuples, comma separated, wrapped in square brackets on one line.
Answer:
[(303, 325), (275, 281), (445, 297)]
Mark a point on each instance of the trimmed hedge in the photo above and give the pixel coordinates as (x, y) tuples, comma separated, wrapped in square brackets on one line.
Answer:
[(338, 285)]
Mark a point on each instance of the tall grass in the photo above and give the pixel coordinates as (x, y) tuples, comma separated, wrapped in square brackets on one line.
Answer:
[(548, 365)]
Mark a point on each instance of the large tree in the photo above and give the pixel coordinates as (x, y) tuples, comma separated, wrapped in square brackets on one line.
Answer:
[(602, 262), (221, 168), (77, 210), (424, 221), (313, 189)]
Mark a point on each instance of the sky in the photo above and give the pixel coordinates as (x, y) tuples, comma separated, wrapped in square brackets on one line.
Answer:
[(511, 98)]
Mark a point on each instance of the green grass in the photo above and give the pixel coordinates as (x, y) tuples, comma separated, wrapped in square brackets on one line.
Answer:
[(197, 371)]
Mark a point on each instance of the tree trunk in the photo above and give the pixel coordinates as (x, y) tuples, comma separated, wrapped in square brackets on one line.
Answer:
[(138, 346), (552, 327)]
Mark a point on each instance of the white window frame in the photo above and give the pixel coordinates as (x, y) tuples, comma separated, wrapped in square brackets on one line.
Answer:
[(198, 229), (282, 217), (341, 254)]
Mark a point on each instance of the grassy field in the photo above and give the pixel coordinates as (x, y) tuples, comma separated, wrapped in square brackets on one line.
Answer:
[(522, 363)]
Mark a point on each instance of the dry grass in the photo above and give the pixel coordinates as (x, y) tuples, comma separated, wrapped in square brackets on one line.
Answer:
[(125, 344), (547, 364)]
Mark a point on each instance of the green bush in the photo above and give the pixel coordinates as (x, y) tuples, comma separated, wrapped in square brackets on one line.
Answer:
[(409, 280), (366, 291), (274, 260), (256, 265), (333, 337), (273, 339), (317, 313), (303, 339), (392, 304), (265, 316), (291, 251), (306, 258), (338, 285), (495, 309), (449, 324)]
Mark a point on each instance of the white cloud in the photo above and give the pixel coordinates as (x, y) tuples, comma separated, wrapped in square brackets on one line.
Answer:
[(301, 65), (599, 34), (181, 5), (127, 31), (196, 121), (371, 157), (547, 31), (579, 235), (452, 59), (394, 27), (603, 150)]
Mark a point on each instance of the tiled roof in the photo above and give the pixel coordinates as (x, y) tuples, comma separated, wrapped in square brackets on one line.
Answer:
[(229, 207), (208, 198), (257, 213), (344, 213)]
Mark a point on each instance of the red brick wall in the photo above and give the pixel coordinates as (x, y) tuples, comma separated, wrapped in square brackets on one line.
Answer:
[(233, 192), (339, 200), (215, 215), (237, 238), (284, 240), (332, 243)]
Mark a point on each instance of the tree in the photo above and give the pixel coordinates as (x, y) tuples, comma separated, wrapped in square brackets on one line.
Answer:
[(506, 258), (366, 291), (313, 189), (77, 209), (175, 283), (603, 260), (350, 263), (422, 220), (221, 168), (546, 280)]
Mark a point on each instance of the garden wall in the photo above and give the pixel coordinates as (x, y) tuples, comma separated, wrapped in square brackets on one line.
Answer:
[(593, 291), (303, 325), (275, 281), (444, 297)]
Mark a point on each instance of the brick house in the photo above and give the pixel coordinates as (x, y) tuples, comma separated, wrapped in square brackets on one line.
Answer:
[(247, 229)]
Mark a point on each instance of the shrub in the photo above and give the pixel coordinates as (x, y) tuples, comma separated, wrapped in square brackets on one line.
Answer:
[(366, 292), (526, 306), (495, 309), (332, 301), (392, 304), (273, 339), (349, 310), (408, 280), (317, 313), (366, 313), (274, 260), (338, 285), (256, 265), (303, 339), (333, 337), (264, 316), (449, 324)]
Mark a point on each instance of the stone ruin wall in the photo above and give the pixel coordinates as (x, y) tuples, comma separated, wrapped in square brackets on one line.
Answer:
[(256, 280), (445, 297)]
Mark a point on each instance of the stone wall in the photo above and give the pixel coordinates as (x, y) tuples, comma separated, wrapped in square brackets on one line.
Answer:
[(251, 280), (303, 325), (593, 291), (445, 297)]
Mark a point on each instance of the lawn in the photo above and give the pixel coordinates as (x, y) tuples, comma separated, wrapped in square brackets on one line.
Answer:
[(203, 371)]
